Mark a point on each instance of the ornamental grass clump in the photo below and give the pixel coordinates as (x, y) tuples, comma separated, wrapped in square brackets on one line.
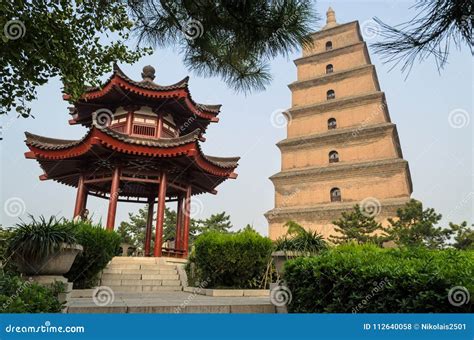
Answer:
[(40, 238), (300, 240)]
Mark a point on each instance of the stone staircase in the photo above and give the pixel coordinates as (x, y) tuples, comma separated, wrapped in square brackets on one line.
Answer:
[(141, 274), (155, 285)]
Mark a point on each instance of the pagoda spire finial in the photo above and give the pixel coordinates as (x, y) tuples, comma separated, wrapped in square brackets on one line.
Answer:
[(148, 73), (330, 18)]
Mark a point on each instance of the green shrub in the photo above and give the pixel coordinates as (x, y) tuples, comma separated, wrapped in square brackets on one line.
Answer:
[(301, 240), (19, 296), (5, 262), (99, 246), (368, 279), (38, 239), (237, 260)]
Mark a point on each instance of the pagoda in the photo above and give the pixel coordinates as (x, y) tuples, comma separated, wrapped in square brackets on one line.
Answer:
[(341, 148), (142, 145)]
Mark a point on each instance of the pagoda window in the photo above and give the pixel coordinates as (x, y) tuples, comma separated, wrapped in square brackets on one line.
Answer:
[(120, 120), (333, 157), (330, 95), (329, 68), (332, 123), (144, 126), (335, 195), (119, 124), (328, 45), (169, 130)]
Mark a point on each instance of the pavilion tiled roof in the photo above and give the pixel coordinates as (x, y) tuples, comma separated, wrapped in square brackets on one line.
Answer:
[(149, 84), (51, 144)]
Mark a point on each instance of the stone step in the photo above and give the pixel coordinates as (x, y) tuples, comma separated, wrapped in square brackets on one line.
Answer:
[(160, 276), (130, 259), (143, 288), (121, 308), (111, 282), (140, 271), (121, 276), (140, 276), (138, 266)]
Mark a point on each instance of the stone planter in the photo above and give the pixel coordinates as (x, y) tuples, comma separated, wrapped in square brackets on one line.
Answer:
[(281, 256), (56, 264)]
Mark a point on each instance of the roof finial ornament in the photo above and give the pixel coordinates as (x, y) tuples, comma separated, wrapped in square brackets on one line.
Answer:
[(148, 73), (330, 18)]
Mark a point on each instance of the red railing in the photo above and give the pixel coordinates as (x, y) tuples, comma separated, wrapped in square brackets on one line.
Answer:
[(143, 130)]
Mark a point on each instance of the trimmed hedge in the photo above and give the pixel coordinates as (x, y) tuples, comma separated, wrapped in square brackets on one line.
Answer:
[(368, 279), (237, 260), (100, 246)]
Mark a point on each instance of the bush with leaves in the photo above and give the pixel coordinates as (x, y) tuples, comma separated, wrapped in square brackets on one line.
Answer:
[(5, 262), (368, 279), (238, 260), (20, 296), (100, 246), (301, 240)]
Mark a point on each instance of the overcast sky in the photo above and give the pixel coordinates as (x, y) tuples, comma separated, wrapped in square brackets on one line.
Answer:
[(433, 113)]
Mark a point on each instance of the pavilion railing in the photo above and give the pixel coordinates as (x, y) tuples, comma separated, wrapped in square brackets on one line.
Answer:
[(144, 130)]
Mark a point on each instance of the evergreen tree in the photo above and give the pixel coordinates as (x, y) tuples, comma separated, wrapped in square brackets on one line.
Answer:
[(355, 226), (217, 222), (133, 231), (437, 25), (233, 39), (463, 236), (169, 226), (416, 227)]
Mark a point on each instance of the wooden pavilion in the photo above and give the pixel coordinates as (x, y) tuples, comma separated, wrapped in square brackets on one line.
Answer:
[(142, 146)]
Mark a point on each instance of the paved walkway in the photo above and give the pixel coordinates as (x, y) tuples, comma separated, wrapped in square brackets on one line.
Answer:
[(167, 302)]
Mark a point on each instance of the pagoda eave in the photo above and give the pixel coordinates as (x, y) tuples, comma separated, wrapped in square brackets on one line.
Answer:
[(101, 144)]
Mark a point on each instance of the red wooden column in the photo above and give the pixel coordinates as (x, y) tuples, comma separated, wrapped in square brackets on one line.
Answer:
[(81, 197), (159, 126), (149, 225), (187, 218), (179, 224), (129, 127), (160, 214), (113, 199)]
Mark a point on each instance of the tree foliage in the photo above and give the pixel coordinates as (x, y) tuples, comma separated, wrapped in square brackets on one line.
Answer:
[(463, 236), (356, 226), (133, 231), (415, 226), (43, 39), (437, 25), (216, 222), (232, 39)]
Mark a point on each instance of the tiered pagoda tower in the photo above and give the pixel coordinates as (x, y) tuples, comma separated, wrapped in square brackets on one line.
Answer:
[(341, 147), (142, 146)]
